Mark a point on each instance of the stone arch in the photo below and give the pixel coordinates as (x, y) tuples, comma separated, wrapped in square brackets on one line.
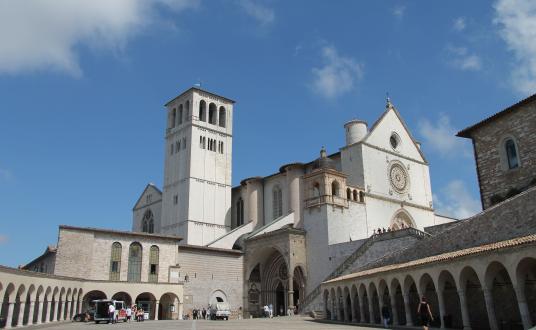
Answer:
[(217, 296), (375, 300), (8, 300), (396, 292), (327, 307), (25, 310), (340, 304), (356, 305), (222, 117), (147, 301), (384, 295), (202, 115), (471, 285), (169, 307), (402, 219), (504, 301), (365, 304), (299, 284), (335, 188), (333, 303), (123, 296), (412, 294), (47, 304), (427, 288), (212, 114), (38, 309), (89, 297), (526, 283), (65, 306), (451, 300), (347, 302), (61, 305)]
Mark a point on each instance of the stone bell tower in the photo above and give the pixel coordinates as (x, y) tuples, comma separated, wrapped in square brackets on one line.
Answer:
[(197, 171)]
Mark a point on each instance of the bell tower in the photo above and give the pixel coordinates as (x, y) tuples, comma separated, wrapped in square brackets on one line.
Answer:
[(196, 197)]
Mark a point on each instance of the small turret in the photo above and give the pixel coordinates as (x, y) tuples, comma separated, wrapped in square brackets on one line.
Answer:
[(356, 130)]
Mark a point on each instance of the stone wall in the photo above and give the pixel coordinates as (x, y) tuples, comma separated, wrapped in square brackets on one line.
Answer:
[(494, 176)]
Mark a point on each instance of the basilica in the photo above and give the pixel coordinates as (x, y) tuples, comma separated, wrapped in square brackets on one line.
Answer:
[(336, 237)]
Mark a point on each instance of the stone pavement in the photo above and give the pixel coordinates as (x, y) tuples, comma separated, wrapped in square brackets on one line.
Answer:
[(278, 323)]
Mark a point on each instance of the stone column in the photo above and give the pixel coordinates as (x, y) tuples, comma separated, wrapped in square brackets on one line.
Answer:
[(55, 312), (465, 312), (49, 307), (407, 308), (352, 306), (394, 310), (79, 306), (339, 309), (9, 317), (361, 311), (21, 313), (371, 310), (68, 315), (40, 313), (31, 313), (523, 307), (157, 308), (442, 313), (290, 293), (255, 199), (490, 309)]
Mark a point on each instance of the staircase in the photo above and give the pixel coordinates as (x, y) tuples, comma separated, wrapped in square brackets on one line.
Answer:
[(358, 253)]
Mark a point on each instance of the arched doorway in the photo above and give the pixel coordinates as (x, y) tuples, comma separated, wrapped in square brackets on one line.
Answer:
[(147, 301), (402, 219), (413, 298), (398, 302), (505, 306), (364, 303), (429, 291), (169, 307), (476, 305), (123, 296), (526, 281), (274, 283), (279, 307), (356, 307), (87, 301), (451, 300), (327, 306), (298, 286)]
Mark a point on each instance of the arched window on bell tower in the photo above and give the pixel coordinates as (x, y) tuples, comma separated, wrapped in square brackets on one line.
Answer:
[(239, 212), (202, 110), (277, 202)]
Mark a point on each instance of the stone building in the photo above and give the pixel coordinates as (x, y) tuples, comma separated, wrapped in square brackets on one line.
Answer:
[(477, 273), (334, 235)]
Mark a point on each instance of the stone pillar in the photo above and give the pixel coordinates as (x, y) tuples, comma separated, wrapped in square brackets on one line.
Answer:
[(394, 310), (523, 307), (361, 311), (40, 313), (333, 309), (9, 317), (31, 313), (21, 314), (55, 312), (352, 306), (290, 293), (255, 200), (371, 310), (442, 313), (490, 309), (157, 308), (465, 312), (49, 307), (407, 308), (68, 315), (294, 173), (339, 309), (79, 306)]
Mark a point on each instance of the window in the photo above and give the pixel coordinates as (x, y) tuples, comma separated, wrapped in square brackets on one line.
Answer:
[(212, 114), (148, 222), (201, 142), (355, 195), (173, 118), (134, 262), (394, 140), (115, 262), (511, 154), (361, 196), (222, 117), (203, 111), (176, 199), (335, 188), (348, 193), (187, 106), (240, 212), (277, 202), (153, 264), (180, 114), (316, 189), (220, 147), (148, 198)]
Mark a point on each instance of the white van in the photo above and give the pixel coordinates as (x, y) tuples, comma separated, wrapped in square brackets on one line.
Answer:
[(101, 310)]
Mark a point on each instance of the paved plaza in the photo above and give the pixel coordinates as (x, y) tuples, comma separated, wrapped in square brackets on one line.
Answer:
[(283, 323)]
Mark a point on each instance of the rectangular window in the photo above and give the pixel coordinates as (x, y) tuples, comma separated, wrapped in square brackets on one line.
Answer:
[(201, 143), (153, 269)]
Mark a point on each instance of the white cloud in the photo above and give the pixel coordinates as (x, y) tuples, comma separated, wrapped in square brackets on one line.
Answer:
[(339, 74), (399, 11), (259, 12), (458, 24), (462, 59), (46, 34), (3, 239), (517, 26), (441, 137), (455, 200)]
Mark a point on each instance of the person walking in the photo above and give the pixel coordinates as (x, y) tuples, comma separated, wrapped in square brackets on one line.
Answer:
[(129, 313), (111, 313), (425, 313), (386, 315), (271, 309)]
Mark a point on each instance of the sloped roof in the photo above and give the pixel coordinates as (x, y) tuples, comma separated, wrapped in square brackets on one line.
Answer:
[(149, 185), (466, 132)]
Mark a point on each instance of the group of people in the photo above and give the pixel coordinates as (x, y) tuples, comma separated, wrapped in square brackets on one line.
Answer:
[(423, 312), (131, 313), (389, 229), (200, 314), (268, 311)]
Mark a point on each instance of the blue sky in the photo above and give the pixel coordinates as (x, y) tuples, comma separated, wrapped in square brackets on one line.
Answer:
[(82, 88)]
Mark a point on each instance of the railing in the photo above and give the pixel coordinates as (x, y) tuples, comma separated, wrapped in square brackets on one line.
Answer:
[(359, 252), (326, 199)]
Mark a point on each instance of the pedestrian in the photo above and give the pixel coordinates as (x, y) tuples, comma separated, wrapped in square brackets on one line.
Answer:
[(266, 311), (425, 313), (111, 313), (271, 310), (386, 316), (129, 313), (204, 313)]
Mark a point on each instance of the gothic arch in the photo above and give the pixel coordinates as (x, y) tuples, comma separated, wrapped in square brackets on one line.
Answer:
[(402, 219)]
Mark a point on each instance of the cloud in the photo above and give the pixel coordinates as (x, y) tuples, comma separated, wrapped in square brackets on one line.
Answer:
[(338, 76), (516, 20), (455, 200), (259, 12), (462, 59), (38, 35), (399, 11), (3, 239), (441, 137), (458, 24)]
